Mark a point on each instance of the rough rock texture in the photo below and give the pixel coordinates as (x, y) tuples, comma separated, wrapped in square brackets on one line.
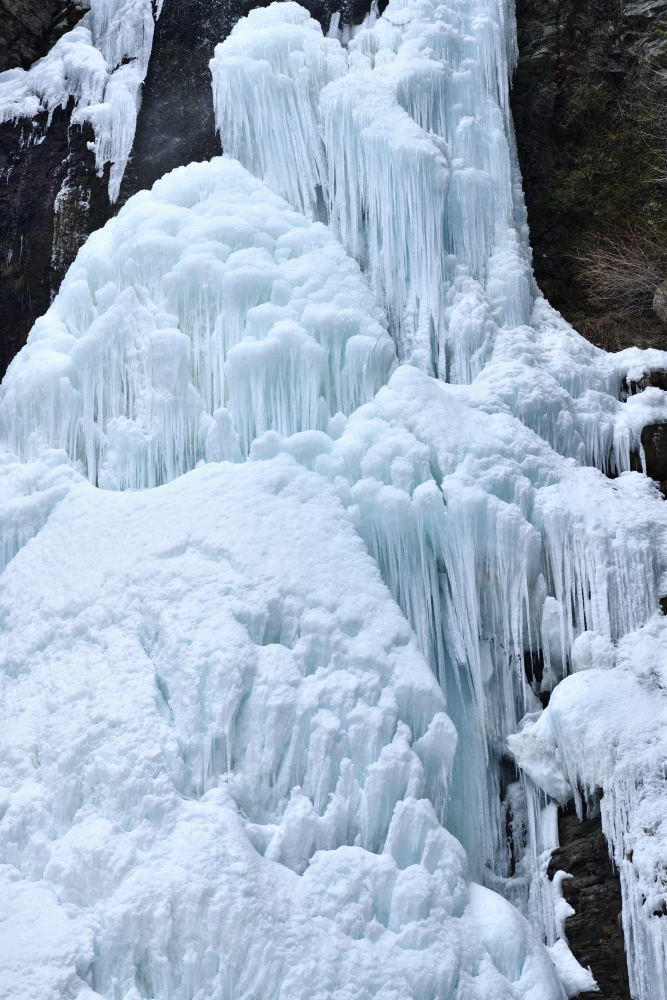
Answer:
[(660, 302), (654, 436), (588, 105), (594, 933), (176, 123), (654, 443), (50, 196), (50, 200), (28, 29)]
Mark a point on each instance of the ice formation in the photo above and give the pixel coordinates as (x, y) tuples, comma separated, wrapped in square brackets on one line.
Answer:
[(423, 111), (416, 173), (99, 66), (500, 552), (222, 760), (205, 313), (258, 721)]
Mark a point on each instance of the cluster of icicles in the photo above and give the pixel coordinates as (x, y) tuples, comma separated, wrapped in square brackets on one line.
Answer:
[(459, 419)]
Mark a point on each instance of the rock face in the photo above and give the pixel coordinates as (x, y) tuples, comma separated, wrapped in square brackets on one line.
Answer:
[(588, 106), (654, 443), (660, 302), (29, 29), (176, 123), (594, 932), (50, 196)]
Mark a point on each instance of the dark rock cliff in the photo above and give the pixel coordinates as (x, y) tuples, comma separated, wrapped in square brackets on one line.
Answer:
[(594, 932), (50, 200), (50, 196), (176, 123), (29, 29), (588, 103)]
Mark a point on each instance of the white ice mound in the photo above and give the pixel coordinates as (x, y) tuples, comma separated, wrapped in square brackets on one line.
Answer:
[(205, 313), (223, 759), (605, 731), (412, 183), (99, 66)]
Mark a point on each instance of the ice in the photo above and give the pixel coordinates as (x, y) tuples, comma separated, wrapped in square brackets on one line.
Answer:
[(417, 104), (499, 544), (575, 978), (291, 61), (98, 66), (205, 313), (498, 550), (28, 494), (217, 735)]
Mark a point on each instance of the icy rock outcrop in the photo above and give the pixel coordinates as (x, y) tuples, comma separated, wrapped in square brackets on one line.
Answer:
[(99, 66), (590, 901), (604, 733), (207, 312)]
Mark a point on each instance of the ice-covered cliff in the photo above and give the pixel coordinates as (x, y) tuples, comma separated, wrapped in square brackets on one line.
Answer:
[(309, 502)]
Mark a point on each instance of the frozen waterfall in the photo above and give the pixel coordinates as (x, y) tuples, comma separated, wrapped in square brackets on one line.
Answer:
[(308, 501)]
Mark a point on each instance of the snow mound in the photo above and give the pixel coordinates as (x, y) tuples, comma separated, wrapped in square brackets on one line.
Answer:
[(223, 758), (205, 313)]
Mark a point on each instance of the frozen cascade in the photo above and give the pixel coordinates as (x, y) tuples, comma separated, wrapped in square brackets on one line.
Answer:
[(227, 769), (423, 110), (495, 547), (100, 66)]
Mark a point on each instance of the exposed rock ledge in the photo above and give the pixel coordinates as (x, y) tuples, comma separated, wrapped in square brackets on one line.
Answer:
[(594, 932)]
